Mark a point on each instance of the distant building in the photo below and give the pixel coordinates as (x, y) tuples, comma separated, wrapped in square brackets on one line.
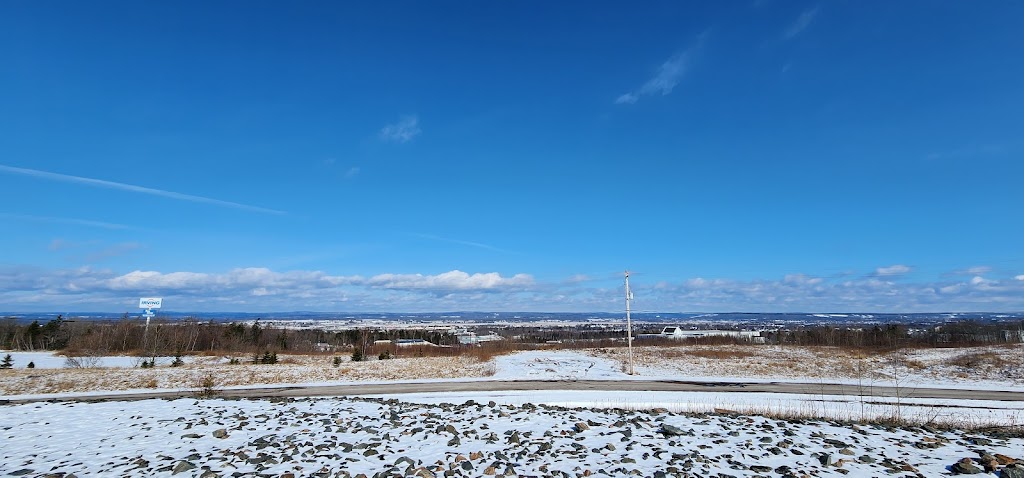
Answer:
[(470, 338), (413, 343), (678, 333)]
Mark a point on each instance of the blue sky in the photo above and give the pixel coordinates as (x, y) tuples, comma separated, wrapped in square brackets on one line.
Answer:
[(429, 156)]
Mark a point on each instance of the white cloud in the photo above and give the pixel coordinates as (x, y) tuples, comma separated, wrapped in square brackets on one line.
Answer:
[(451, 281), (407, 128), (974, 271), (801, 23), (798, 292), (801, 279), (352, 172), (667, 76), (131, 188), (245, 288), (258, 289), (578, 279), (893, 270), (626, 99), (663, 82)]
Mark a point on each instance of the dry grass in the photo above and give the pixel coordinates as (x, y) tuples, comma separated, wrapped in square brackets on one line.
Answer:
[(720, 354), (300, 369), (827, 363), (979, 360)]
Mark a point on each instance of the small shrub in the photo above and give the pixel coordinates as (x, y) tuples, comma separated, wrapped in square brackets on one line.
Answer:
[(207, 387), (86, 361), (234, 361), (336, 361), (357, 355), (268, 358), (385, 355), (31, 365), (177, 360)]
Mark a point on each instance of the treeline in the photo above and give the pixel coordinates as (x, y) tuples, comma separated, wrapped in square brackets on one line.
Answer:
[(957, 334), (130, 336)]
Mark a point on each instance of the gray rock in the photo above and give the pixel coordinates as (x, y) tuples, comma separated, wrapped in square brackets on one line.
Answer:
[(1012, 471), (220, 433), (965, 467), (182, 466), (669, 430), (836, 443), (581, 427)]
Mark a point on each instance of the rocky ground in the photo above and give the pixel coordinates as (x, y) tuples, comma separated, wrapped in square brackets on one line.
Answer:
[(345, 437)]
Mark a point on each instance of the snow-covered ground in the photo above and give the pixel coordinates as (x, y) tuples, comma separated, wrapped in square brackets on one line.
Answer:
[(51, 360), (995, 367), (531, 433), (549, 365), (346, 437)]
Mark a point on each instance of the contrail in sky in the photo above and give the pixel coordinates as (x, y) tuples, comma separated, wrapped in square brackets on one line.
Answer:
[(133, 188)]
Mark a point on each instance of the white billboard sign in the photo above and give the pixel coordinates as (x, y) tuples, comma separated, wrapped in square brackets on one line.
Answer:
[(150, 302)]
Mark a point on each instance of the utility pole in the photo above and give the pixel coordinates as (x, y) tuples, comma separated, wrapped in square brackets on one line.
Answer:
[(629, 324)]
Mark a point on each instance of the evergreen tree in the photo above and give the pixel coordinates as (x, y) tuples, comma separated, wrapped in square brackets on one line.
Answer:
[(31, 365), (7, 362)]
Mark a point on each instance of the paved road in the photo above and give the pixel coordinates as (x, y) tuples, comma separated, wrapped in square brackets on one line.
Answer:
[(595, 385)]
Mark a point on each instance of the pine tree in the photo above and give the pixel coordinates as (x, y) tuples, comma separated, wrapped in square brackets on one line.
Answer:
[(7, 362)]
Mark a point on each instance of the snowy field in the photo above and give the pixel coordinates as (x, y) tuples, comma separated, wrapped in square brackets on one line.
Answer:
[(927, 369), (550, 433), (348, 437), (995, 367)]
